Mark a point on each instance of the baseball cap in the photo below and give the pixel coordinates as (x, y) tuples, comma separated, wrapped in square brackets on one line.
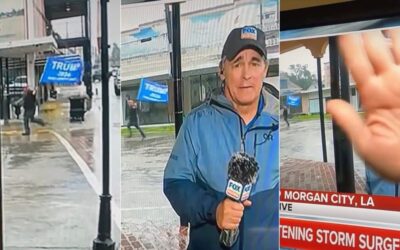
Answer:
[(243, 38)]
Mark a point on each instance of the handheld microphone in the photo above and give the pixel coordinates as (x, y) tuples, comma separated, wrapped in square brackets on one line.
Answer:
[(242, 174)]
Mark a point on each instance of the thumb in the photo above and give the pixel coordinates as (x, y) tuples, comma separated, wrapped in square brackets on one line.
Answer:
[(247, 203), (349, 121)]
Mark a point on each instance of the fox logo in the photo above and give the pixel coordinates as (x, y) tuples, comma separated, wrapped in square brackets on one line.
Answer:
[(248, 33), (234, 190)]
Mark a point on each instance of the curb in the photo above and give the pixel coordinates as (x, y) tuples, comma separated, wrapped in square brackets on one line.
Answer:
[(18, 132)]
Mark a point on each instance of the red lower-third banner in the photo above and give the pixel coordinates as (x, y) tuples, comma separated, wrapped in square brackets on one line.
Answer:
[(341, 199), (308, 234)]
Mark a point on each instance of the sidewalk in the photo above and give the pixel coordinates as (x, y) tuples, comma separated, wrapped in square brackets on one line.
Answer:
[(16, 127), (148, 220), (79, 135), (49, 202), (313, 175)]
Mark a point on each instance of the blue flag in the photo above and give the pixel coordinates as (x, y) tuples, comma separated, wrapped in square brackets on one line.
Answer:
[(293, 100), (150, 91), (62, 70)]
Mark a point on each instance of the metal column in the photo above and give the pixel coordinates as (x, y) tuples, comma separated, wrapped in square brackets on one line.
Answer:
[(176, 65), (342, 147), (1, 167), (8, 110), (87, 56), (103, 240), (321, 110), (3, 108)]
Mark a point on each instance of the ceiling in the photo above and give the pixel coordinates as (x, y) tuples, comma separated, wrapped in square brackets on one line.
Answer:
[(123, 2), (295, 4), (57, 9), (312, 13)]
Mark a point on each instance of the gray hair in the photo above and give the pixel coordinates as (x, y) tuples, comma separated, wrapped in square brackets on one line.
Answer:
[(223, 60)]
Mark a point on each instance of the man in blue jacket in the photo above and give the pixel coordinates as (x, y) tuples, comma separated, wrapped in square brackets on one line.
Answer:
[(239, 117)]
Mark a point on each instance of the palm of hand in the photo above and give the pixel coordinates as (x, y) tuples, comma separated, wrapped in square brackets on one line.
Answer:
[(376, 70)]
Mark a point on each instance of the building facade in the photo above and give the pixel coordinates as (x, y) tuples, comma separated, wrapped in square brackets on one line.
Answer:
[(205, 25)]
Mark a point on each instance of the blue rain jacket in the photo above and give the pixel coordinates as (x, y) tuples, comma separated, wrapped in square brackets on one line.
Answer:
[(196, 176)]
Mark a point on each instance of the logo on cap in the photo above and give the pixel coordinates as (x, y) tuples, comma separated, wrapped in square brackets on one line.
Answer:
[(248, 33)]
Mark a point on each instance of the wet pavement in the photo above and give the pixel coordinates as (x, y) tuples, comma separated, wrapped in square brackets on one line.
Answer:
[(148, 220), (48, 203), (302, 165), (86, 136), (65, 206)]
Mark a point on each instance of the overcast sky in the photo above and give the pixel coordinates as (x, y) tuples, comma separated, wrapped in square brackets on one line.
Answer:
[(8, 5), (301, 56), (114, 24)]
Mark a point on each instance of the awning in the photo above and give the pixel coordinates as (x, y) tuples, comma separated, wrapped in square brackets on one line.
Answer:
[(18, 49), (317, 46), (145, 33)]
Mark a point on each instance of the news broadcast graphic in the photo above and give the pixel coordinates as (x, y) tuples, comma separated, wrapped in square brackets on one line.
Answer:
[(331, 220), (330, 198)]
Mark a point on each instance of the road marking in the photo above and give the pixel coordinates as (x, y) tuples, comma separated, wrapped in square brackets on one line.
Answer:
[(90, 177), (43, 131), (16, 132), (12, 132)]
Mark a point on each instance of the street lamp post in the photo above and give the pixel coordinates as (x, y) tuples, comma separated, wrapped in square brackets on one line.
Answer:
[(103, 240), (1, 167), (176, 65), (8, 111), (343, 150), (2, 90)]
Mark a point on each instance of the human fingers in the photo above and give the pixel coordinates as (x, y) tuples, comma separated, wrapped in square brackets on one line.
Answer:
[(235, 206), (378, 51), (394, 35), (356, 58), (234, 220), (247, 203), (231, 226)]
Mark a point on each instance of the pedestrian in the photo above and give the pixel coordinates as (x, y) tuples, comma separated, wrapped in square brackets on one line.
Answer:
[(17, 111), (17, 106), (374, 63), (133, 119), (240, 116), (29, 110), (285, 115)]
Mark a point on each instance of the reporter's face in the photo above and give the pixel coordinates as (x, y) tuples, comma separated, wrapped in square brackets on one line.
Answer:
[(244, 76)]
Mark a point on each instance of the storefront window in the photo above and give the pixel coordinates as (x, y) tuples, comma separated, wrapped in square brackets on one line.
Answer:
[(195, 87)]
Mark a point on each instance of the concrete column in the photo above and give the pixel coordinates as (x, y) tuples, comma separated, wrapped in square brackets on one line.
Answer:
[(30, 70), (29, 12)]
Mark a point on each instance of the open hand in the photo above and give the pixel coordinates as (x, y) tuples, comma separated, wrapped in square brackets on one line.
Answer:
[(374, 63)]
